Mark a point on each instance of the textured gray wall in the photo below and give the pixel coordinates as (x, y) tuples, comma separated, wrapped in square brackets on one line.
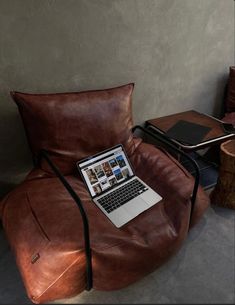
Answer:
[(176, 51)]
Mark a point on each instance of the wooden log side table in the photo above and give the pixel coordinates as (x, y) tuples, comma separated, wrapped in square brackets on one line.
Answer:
[(216, 135), (224, 192)]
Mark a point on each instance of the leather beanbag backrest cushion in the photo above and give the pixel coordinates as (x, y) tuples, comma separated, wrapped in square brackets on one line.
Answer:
[(91, 115), (230, 99)]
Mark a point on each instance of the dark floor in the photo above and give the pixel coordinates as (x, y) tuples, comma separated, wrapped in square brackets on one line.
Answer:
[(201, 273)]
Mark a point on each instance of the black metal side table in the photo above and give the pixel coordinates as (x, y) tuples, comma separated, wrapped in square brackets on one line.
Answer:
[(216, 135)]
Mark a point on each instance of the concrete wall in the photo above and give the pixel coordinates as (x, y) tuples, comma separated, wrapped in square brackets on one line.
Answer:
[(176, 51)]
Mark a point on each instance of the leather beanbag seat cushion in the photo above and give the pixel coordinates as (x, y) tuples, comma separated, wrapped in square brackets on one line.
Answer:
[(43, 223)]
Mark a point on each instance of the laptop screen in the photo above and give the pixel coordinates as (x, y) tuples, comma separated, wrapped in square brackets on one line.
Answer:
[(105, 170)]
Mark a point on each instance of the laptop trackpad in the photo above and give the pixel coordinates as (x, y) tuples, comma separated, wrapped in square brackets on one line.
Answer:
[(119, 217), (135, 206)]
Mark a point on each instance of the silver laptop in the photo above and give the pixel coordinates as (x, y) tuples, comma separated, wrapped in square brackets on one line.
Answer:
[(114, 187)]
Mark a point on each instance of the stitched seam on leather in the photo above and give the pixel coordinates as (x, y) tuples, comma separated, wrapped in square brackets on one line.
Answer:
[(164, 215), (36, 221), (55, 281)]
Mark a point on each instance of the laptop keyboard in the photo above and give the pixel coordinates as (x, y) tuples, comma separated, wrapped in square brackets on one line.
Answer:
[(115, 199)]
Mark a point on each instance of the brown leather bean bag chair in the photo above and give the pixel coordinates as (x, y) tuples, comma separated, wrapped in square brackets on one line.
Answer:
[(43, 223)]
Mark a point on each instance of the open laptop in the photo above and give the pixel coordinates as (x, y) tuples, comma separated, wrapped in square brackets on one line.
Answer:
[(114, 187)]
